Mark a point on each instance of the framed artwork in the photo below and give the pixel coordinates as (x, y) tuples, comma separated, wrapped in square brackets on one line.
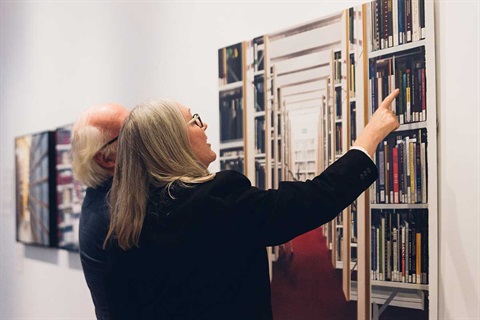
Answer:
[(35, 189)]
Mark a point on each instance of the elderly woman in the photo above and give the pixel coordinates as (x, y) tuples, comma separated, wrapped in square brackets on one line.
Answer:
[(185, 243)]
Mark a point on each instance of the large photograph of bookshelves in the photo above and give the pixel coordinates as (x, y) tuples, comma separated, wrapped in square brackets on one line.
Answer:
[(70, 192), (35, 189), (231, 107), (286, 78), (403, 209)]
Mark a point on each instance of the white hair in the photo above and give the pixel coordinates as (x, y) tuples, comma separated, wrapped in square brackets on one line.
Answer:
[(87, 140)]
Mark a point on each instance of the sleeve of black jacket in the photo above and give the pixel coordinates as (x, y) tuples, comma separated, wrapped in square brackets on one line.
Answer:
[(295, 208)]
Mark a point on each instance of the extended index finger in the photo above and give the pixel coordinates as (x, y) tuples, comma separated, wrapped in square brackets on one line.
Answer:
[(389, 99)]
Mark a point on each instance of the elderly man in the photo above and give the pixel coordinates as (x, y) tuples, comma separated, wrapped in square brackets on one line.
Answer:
[(94, 155)]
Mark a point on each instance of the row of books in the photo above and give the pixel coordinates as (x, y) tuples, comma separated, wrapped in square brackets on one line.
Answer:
[(259, 93), (260, 175), (231, 118), (352, 80), (259, 135), (305, 165), (402, 163), (353, 122), (396, 22), (230, 64), (351, 25), (63, 157), (63, 135), (258, 54), (232, 164), (338, 139), (399, 246), (304, 176), (405, 71), (308, 154), (337, 67), (353, 222), (338, 103)]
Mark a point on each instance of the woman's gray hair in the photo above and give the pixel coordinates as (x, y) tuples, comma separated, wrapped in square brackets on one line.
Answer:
[(154, 149), (87, 140)]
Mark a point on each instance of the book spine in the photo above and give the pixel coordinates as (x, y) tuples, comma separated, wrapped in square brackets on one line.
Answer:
[(423, 162), (403, 253), (421, 4), (377, 25), (381, 160), (425, 255), (414, 94), (373, 253), (411, 256), (395, 255), (387, 171), (424, 97), (415, 21), (382, 249), (401, 21), (419, 254), (390, 22), (408, 110), (408, 20), (385, 23), (395, 175), (418, 174), (401, 181), (412, 170), (395, 22), (377, 275), (391, 83), (407, 251)]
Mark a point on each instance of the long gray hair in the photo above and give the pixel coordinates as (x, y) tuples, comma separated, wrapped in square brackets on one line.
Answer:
[(154, 149)]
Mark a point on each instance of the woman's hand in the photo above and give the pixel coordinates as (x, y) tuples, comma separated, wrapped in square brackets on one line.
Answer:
[(382, 123)]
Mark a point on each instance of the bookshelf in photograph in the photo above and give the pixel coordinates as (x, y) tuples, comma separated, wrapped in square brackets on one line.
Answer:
[(35, 189), (305, 149), (403, 201), (70, 192), (231, 107), (327, 150), (341, 231), (257, 75), (355, 118)]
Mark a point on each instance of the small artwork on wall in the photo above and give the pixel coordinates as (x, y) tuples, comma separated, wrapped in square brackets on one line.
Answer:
[(35, 189)]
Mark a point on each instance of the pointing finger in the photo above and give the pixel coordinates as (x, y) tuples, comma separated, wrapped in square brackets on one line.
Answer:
[(389, 99)]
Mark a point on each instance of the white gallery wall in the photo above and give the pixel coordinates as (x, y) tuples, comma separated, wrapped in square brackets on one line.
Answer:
[(58, 58)]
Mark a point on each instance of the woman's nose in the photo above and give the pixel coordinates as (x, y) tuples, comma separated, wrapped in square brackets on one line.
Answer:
[(205, 126)]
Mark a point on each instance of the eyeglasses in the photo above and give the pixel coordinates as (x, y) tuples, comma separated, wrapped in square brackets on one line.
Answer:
[(197, 120), (108, 143)]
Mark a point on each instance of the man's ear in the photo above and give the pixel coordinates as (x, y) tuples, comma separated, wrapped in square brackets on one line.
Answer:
[(104, 161)]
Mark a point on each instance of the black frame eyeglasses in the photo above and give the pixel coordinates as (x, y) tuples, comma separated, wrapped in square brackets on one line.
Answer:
[(197, 120), (108, 143)]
